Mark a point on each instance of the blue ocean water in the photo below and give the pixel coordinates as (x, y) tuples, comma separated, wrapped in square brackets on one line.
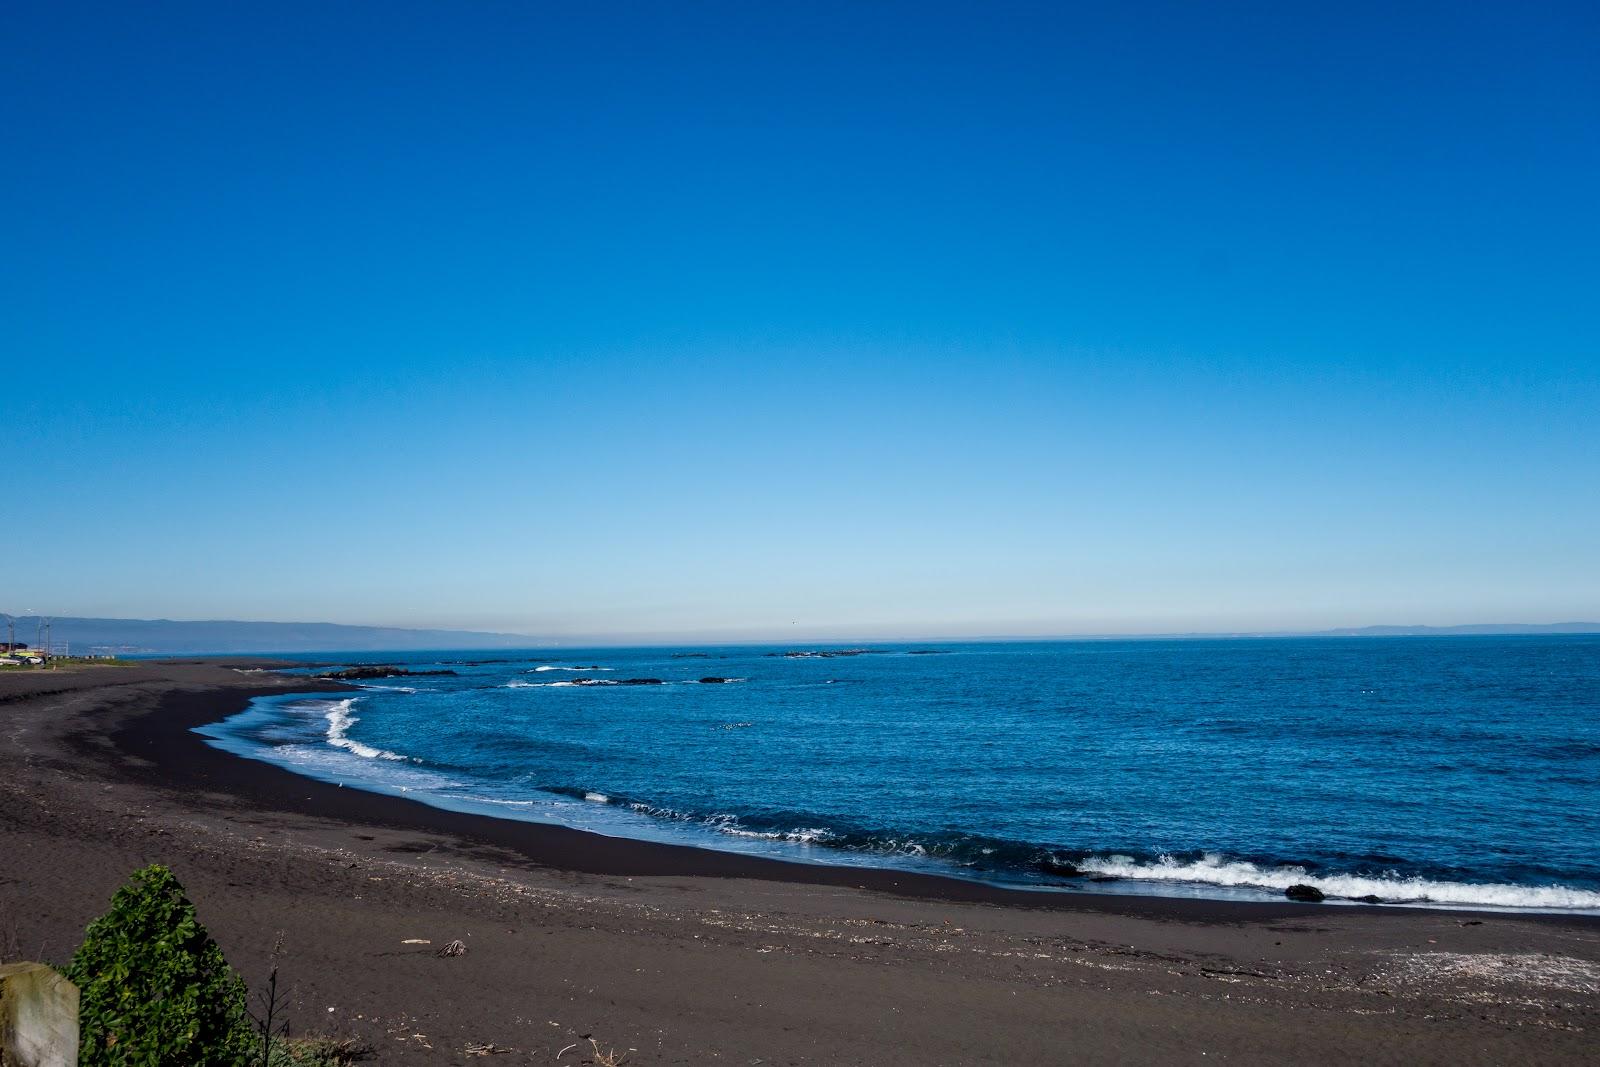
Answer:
[(1459, 771)]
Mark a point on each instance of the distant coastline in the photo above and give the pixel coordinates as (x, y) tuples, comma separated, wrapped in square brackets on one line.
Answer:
[(169, 637), (1502, 629)]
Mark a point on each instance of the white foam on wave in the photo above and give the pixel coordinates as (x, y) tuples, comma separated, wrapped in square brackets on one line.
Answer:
[(574, 668), (391, 688), (1215, 869), (341, 717), (503, 802), (805, 835)]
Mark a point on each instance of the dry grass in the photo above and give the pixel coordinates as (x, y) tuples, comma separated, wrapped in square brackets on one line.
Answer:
[(318, 1052), (599, 1057), (10, 942), (605, 1058)]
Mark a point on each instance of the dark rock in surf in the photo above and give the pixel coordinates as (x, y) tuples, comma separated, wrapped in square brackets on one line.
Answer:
[(361, 674), (1370, 899), (1060, 868), (714, 680), (640, 681), (1307, 894)]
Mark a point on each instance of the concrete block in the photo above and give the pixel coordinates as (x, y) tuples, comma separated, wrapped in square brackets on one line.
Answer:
[(38, 1017)]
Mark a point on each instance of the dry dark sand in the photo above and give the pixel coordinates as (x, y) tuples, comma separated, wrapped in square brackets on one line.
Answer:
[(696, 957)]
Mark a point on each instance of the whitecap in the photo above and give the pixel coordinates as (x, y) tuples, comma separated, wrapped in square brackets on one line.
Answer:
[(1392, 888), (340, 718)]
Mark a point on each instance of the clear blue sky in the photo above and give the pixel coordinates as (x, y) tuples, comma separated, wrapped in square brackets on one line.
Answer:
[(757, 320)]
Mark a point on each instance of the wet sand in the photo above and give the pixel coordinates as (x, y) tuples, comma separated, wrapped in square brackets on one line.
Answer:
[(688, 955)]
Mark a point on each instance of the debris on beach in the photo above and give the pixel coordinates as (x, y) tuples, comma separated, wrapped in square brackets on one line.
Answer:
[(454, 948)]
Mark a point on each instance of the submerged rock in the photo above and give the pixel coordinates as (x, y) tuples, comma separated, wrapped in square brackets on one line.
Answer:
[(714, 680), (1370, 899), (1308, 894)]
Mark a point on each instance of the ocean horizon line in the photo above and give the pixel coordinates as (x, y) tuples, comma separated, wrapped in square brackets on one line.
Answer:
[(154, 637)]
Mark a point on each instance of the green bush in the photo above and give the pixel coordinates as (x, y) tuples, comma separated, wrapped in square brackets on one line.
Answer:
[(153, 987)]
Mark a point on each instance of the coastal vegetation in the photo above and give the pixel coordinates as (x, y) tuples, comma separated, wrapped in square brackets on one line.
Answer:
[(154, 988), (153, 985)]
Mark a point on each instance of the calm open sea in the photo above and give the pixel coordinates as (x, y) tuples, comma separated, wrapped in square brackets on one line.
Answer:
[(1462, 770)]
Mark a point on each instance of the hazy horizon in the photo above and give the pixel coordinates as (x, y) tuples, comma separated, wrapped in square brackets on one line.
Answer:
[(166, 635), (830, 321)]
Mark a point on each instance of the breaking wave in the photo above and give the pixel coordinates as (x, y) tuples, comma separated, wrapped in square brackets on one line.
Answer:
[(1213, 869), (340, 718), (1033, 863), (721, 823)]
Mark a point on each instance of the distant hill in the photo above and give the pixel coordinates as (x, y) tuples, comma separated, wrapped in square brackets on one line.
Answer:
[(1501, 628), (134, 636), (166, 636)]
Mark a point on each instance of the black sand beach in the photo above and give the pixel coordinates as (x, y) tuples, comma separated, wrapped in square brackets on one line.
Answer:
[(692, 956)]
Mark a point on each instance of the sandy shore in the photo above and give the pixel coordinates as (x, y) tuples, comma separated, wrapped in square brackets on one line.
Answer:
[(690, 956)]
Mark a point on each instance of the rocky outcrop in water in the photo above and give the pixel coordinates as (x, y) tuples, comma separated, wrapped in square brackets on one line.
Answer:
[(616, 681), (1307, 894), (363, 674), (714, 680), (833, 653)]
